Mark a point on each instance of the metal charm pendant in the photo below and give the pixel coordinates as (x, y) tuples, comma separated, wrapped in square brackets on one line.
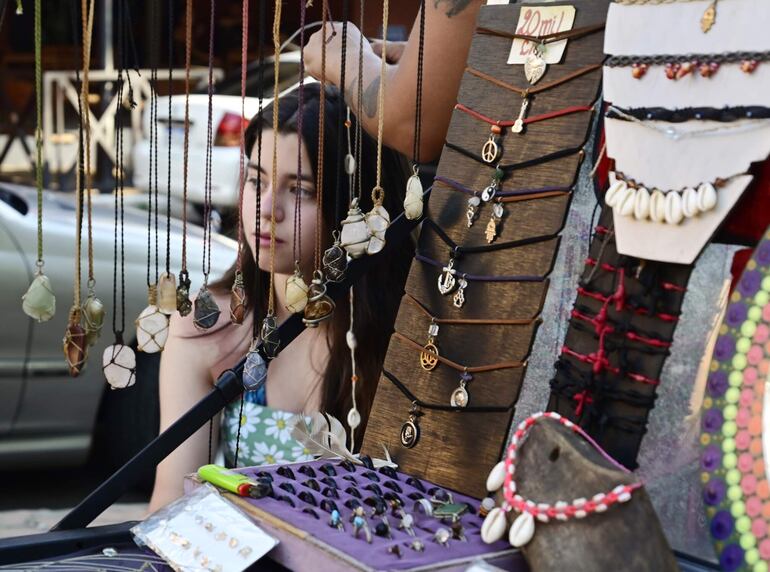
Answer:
[(319, 307), (254, 370), (446, 281), (518, 125), (74, 343), (460, 397), (490, 150), (489, 193), (93, 318), (183, 303), (206, 309), (410, 430), (534, 65), (269, 334), (709, 17), (237, 300), (473, 210), (428, 357), (459, 298), (497, 216), (119, 365), (335, 261)]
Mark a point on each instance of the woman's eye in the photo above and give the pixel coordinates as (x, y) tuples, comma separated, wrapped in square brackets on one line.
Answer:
[(303, 192)]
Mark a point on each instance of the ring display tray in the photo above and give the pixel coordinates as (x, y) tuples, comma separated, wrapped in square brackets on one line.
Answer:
[(307, 542)]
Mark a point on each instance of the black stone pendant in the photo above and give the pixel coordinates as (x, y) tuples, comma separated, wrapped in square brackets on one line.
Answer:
[(206, 310)]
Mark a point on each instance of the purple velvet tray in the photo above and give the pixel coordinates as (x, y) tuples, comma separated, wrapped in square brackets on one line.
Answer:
[(374, 555)]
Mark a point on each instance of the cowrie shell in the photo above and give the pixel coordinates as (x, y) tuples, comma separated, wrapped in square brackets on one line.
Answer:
[(657, 206), (674, 213), (707, 197), (522, 530), (612, 194), (496, 477), (625, 204), (642, 204), (494, 525), (690, 202)]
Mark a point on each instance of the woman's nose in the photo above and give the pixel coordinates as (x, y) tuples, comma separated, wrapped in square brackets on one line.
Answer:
[(267, 206)]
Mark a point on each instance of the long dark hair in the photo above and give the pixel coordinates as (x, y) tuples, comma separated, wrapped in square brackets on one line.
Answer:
[(378, 292)]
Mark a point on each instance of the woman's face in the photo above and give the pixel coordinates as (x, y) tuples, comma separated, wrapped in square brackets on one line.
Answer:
[(282, 198)]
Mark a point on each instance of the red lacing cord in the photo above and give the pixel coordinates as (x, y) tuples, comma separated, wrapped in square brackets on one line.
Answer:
[(670, 286)]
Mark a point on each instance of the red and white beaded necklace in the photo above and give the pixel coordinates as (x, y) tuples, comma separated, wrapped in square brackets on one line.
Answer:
[(523, 528)]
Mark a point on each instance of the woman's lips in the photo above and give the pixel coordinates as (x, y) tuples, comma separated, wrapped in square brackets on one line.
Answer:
[(264, 240)]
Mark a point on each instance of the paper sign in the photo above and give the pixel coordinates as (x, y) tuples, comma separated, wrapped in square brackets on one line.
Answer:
[(540, 21)]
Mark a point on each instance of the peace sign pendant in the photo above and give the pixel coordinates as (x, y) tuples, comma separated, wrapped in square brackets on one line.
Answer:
[(490, 150)]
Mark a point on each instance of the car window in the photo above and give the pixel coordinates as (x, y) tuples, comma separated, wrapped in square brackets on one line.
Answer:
[(13, 200)]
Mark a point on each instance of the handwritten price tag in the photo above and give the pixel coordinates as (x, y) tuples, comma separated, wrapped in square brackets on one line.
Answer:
[(540, 21)]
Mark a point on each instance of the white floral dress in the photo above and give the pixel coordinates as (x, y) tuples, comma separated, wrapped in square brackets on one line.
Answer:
[(265, 433)]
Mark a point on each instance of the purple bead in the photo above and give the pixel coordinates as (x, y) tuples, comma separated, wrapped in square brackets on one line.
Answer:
[(731, 557), (724, 349), (717, 383), (711, 458), (736, 314), (762, 254), (714, 492), (712, 420), (722, 525), (750, 282)]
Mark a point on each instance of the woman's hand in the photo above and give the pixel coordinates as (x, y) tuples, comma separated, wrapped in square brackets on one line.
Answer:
[(334, 52)]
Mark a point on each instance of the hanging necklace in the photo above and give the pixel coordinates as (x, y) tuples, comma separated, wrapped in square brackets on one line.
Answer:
[(413, 198), (237, 292), (75, 344), (167, 281), (152, 324), (118, 359), (535, 65), (255, 368), (354, 235), (183, 302), (39, 301), (296, 292), (269, 333), (429, 357), (460, 396), (206, 311), (320, 306), (503, 476)]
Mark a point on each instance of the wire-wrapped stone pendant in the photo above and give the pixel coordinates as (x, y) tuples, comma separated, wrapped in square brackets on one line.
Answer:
[(119, 365), (271, 340), (377, 221), (413, 198), (296, 292), (319, 307), (167, 293), (39, 301), (355, 232), (151, 326), (93, 318), (183, 302), (254, 370), (206, 309), (237, 299), (74, 343), (335, 261)]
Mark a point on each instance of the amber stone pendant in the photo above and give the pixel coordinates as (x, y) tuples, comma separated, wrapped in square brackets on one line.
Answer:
[(237, 300), (319, 307), (74, 343), (167, 293), (206, 310)]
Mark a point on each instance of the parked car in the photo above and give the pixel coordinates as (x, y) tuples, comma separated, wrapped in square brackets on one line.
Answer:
[(46, 417), (226, 122)]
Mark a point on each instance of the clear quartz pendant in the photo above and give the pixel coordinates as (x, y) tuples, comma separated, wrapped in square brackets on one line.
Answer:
[(39, 302), (119, 365), (413, 199), (460, 397), (93, 318), (254, 370), (355, 232), (151, 326)]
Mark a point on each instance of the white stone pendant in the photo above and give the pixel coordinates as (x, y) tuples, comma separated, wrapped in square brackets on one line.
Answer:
[(413, 197), (377, 221), (119, 365), (522, 530), (39, 301), (355, 232), (151, 328), (296, 293)]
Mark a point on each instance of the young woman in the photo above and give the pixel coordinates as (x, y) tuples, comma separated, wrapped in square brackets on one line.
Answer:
[(313, 372)]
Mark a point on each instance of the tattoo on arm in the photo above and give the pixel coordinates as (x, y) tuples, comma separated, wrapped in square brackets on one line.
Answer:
[(369, 97), (453, 7)]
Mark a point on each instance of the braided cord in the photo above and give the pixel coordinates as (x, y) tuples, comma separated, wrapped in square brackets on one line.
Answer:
[(378, 193), (338, 212), (360, 101), (321, 140), (274, 174), (170, 91), (418, 95), (297, 245), (87, 117), (152, 178), (242, 161), (209, 151), (186, 157), (38, 130), (258, 202)]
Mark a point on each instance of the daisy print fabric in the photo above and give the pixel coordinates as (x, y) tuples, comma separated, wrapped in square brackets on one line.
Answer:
[(265, 435)]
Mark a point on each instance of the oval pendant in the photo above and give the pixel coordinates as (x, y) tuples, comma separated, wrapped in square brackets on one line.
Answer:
[(296, 293), (354, 418), (254, 371), (428, 360), (119, 366), (413, 198), (410, 434), (151, 330), (93, 318), (206, 310), (459, 397), (489, 193)]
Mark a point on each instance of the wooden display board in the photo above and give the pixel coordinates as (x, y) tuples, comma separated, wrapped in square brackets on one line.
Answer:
[(457, 449)]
